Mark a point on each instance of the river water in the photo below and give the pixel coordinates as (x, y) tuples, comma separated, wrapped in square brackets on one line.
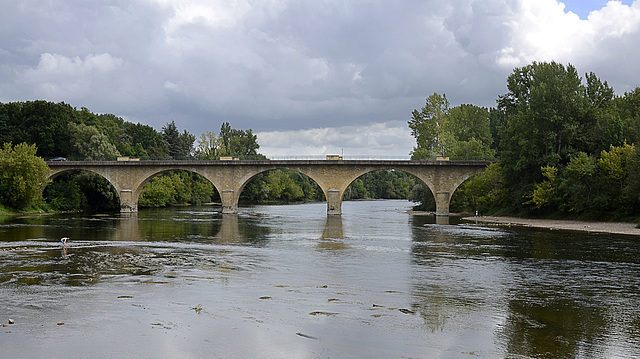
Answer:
[(291, 282)]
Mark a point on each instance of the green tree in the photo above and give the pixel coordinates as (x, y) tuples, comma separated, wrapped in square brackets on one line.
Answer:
[(238, 143), (282, 187), (629, 107), (631, 189), (151, 141), (208, 146), (159, 192), (23, 175), (180, 144), (497, 122), (177, 188), (429, 127), (461, 132), (471, 129), (608, 126), (356, 190), (10, 120), (483, 192), (615, 165), (581, 186), (87, 143), (66, 195), (40, 122), (546, 123), (420, 193), (545, 192)]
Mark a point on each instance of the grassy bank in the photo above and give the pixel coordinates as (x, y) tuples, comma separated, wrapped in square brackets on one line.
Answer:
[(34, 209)]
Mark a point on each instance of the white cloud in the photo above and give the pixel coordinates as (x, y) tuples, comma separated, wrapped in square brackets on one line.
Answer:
[(60, 77), (287, 65), (379, 140), (542, 31)]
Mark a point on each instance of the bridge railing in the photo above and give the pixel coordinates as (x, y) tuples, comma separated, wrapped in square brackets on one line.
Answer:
[(276, 158)]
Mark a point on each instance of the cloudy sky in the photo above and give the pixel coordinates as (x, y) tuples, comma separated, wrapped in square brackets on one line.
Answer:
[(309, 77)]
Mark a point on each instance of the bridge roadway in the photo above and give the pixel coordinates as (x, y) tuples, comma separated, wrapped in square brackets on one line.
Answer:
[(230, 177)]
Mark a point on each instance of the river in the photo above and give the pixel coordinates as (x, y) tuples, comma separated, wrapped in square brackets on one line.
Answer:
[(291, 282)]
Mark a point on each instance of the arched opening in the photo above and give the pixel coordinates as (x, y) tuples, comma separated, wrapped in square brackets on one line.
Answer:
[(281, 186), (476, 193), (81, 190), (177, 188), (391, 184)]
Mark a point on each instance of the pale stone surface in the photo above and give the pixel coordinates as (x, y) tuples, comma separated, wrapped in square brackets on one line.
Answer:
[(584, 226), (230, 177)]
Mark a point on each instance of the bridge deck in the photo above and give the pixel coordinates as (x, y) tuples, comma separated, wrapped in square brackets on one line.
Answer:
[(270, 162), (230, 177)]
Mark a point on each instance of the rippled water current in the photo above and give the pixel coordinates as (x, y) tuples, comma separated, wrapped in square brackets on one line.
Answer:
[(291, 282)]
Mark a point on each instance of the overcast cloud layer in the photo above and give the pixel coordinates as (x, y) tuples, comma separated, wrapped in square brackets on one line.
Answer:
[(310, 77)]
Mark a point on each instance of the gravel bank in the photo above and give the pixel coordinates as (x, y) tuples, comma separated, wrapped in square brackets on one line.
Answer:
[(597, 227)]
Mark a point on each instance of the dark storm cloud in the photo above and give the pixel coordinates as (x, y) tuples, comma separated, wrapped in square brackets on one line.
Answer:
[(285, 67)]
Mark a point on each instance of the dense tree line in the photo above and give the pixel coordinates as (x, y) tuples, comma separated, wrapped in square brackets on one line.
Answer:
[(59, 130), (564, 145)]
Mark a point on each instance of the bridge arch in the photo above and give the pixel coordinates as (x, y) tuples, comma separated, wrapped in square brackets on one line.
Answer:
[(57, 172), (79, 189), (150, 176), (401, 175), (230, 177), (264, 171)]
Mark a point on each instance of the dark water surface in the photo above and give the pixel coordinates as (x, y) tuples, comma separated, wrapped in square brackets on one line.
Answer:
[(292, 282)]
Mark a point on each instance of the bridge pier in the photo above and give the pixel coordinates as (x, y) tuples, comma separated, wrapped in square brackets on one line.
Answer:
[(229, 201), (443, 198), (334, 202), (229, 177), (128, 204)]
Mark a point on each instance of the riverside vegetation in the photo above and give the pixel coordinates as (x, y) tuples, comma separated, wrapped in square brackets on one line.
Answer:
[(563, 145)]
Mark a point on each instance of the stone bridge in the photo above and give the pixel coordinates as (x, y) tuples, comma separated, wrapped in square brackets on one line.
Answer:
[(230, 177)]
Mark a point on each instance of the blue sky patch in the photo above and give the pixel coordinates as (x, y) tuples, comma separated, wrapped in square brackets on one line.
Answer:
[(583, 7)]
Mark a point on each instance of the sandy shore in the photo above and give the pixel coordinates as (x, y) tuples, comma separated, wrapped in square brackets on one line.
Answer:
[(597, 227)]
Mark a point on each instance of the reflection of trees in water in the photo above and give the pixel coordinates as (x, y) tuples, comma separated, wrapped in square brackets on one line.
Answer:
[(559, 299), (201, 227), (92, 252), (436, 293), (571, 295), (561, 328)]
